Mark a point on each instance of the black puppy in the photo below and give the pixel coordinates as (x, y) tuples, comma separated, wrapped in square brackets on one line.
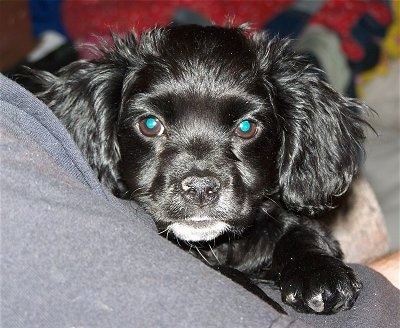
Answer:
[(227, 137)]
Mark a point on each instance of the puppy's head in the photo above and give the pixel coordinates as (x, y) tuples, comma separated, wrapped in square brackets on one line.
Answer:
[(202, 125)]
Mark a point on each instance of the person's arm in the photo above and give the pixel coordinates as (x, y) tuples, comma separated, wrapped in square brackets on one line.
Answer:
[(389, 267)]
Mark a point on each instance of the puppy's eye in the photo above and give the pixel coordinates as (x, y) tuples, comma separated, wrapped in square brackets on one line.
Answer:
[(246, 129), (151, 126)]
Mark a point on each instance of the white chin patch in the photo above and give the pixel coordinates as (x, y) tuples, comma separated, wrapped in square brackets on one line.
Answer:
[(198, 229)]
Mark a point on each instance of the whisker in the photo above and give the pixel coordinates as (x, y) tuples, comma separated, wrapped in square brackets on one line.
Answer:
[(141, 191), (190, 248), (198, 251), (270, 216), (273, 201), (212, 251), (165, 230)]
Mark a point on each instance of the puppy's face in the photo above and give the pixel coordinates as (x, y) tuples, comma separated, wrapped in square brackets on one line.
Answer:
[(197, 137), (201, 125)]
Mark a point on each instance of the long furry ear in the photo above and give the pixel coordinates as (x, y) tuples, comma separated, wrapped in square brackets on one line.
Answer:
[(321, 131), (86, 97)]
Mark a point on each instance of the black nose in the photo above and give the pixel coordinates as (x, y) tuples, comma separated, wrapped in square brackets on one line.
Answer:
[(200, 190)]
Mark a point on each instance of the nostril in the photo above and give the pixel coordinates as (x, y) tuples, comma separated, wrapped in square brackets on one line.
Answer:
[(200, 190), (210, 190)]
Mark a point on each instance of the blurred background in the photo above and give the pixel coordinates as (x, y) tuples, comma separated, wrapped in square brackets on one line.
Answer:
[(357, 44)]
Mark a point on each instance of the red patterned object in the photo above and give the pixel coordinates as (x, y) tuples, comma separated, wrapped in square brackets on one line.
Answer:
[(342, 15), (85, 18), (96, 17)]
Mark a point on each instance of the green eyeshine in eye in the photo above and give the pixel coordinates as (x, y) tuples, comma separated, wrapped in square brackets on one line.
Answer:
[(151, 126), (151, 123), (245, 126)]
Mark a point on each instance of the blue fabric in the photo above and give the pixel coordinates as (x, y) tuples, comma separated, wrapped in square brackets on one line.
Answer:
[(46, 16), (289, 23), (368, 33)]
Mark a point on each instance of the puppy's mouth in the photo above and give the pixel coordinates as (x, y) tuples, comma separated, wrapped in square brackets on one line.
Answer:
[(199, 228), (187, 211)]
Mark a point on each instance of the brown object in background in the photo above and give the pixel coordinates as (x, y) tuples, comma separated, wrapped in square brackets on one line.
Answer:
[(16, 37), (359, 225)]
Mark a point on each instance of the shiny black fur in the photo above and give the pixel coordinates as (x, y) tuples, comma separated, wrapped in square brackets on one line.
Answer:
[(249, 204)]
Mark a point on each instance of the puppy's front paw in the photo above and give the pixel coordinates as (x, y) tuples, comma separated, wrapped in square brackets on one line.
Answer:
[(319, 284)]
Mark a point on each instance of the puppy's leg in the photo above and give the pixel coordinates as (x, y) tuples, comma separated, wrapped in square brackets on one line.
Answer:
[(310, 271), (295, 253)]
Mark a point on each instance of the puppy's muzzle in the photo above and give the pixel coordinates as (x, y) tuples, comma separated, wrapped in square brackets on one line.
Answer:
[(200, 190)]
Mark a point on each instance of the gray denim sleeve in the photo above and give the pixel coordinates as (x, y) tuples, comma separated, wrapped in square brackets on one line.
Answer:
[(73, 255)]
